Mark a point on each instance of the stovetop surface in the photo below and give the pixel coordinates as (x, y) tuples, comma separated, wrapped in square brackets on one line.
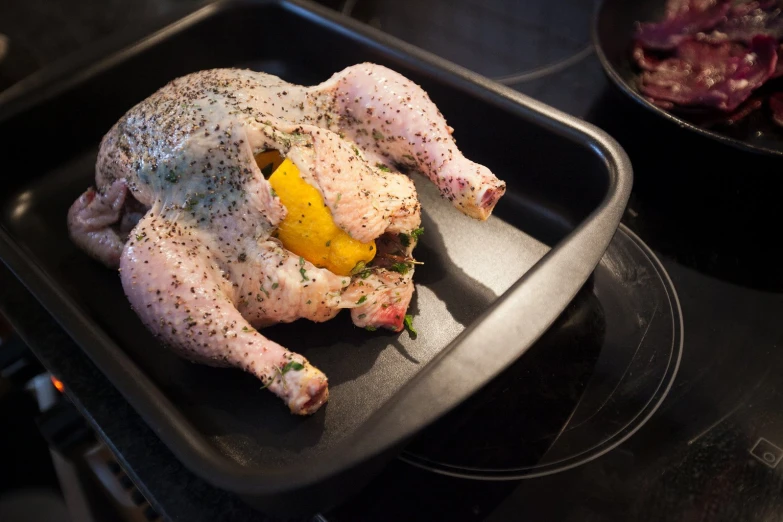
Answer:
[(712, 447)]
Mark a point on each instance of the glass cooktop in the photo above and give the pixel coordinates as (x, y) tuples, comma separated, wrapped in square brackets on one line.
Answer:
[(656, 396)]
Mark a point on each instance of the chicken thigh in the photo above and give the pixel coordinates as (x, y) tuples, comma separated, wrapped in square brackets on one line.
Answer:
[(186, 213)]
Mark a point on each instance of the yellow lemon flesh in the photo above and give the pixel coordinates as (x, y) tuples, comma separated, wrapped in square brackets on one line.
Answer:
[(308, 230)]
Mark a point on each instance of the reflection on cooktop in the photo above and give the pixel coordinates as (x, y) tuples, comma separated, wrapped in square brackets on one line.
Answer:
[(507, 41)]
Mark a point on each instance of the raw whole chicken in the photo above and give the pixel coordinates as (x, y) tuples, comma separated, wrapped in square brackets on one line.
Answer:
[(231, 200)]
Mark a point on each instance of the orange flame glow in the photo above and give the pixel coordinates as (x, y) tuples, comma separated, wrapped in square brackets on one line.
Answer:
[(58, 384)]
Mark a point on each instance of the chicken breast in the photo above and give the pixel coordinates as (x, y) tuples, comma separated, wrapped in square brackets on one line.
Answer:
[(184, 211)]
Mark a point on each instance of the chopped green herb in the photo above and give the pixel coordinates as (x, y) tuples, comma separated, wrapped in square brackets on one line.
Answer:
[(141, 236), (355, 150), (408, 157), (417, 233), (404, 239), (362, 316), (245, 329), (402, 268), (339, 197), (290, 366), (242, 257), (409, 325), (370, 328), (192, 201), (361, 269), (329, 243), (308, 302), (274, 194), (274, 285), (358, 268), (377, 135), (302, 270), (264, 290), (382, 167), (361, 299), (171, 177)]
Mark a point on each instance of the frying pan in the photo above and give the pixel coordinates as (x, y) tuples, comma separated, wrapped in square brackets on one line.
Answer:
[(612, 32)]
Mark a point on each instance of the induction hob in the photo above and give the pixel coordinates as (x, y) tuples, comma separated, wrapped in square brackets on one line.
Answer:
[(656, 396)]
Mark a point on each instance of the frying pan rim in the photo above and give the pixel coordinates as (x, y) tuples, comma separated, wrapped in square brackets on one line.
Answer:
[(631, 92)]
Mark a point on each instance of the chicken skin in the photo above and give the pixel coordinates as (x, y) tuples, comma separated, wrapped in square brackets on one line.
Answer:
[(205, 245)]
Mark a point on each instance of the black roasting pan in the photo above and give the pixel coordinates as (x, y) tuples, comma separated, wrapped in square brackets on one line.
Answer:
[(485, 293)]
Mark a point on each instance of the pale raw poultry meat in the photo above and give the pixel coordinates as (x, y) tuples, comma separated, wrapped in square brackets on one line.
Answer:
[(186, 213)]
